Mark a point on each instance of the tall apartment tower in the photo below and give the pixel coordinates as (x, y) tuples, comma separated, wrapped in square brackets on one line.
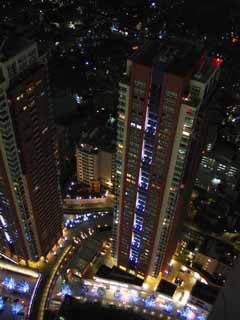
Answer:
[(162, 100), (30, 201)]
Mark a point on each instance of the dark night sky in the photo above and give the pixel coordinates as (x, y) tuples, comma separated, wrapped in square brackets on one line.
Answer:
[(210, 15), (207, 16)]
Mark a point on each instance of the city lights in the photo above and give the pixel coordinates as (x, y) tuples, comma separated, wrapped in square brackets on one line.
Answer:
[(9, 283), (23, 287), (101, 292), (66, 290), (168, 307), (16, 308), (2, 303), (186, 313), (201, 317), (119, 120), (117, 294), (150, 302), (83, 290), (78, 98)]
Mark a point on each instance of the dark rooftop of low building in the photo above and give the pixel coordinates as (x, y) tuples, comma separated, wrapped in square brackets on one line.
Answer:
[(11, 44), (116, 274), (71, 309), (205, 292), (166, 288), (103, 139), (226, 151)]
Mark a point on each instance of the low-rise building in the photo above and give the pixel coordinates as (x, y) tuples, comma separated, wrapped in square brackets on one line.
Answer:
[(94, 164), (219, 170)]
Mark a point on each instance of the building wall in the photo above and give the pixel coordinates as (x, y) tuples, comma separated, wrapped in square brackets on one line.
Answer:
[(94, 164), (215, 170), (124, 92), (160, 159), (211, 265), (105, 168), (130, 198), (10, 216), (87, 164), (30, 192), (35, 136)]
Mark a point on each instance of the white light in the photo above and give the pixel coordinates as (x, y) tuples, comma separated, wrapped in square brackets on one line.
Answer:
[(185, 133), (7, 236), (216, 181), (3, 222), (145, 286)]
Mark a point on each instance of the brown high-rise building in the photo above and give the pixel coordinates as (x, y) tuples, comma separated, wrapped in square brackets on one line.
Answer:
[(30, 200), (163, 97)]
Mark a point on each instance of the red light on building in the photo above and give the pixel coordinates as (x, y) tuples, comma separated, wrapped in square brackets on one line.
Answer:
[(234, 40), (217, 61)]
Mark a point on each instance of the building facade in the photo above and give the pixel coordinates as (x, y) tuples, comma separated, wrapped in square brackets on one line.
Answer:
[(159, 139), (94, 164), (219, 171), (30, 200)]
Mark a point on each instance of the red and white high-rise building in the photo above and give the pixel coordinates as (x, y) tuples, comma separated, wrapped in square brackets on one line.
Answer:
[(30, 199), (163, 97)]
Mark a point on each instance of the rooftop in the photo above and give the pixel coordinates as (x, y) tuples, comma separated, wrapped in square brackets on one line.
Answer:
[(11, 45), (87, 148), (226, 151), (179, 55), (166, 287), (206, 68), (72, 309), (103, 139), (205, 292), (118, 275)]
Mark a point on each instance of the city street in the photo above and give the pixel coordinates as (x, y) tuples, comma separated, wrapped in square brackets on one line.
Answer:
[(73, 239)]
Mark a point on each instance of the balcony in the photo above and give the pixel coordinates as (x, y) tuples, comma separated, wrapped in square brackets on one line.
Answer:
[(150, 131), (137, 227), (140, 210), (143, 186)]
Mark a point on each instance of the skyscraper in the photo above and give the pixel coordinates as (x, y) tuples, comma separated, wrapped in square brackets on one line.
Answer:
[(160, 119), (30, 203)]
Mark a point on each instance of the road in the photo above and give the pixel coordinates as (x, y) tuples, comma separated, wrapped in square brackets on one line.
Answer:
[(64, 257)]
